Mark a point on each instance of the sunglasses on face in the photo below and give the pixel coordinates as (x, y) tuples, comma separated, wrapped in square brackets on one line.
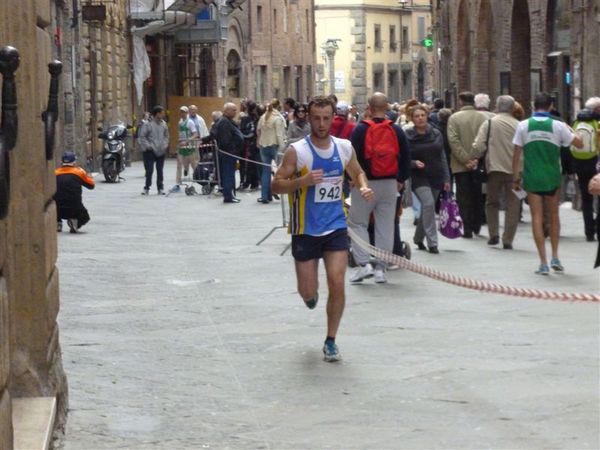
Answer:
[(301, 111)]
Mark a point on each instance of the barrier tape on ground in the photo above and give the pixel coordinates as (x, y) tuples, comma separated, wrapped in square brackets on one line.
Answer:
[(469, 283)]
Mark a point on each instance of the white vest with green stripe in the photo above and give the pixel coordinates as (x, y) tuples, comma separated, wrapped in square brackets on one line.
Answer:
[(541, 157)]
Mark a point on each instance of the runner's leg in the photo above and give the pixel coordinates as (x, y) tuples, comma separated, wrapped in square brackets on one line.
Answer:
[(308, 278), (551, 203), (537, 224), (335, 267)]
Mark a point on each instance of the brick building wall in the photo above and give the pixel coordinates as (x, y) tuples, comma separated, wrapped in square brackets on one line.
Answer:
[(30, 358), (282, 49), (504, 47)]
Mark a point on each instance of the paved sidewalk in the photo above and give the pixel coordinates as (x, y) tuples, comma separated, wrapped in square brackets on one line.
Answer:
[(178, 332)]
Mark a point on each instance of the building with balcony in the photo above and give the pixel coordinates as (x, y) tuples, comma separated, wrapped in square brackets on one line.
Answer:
[(379, 48)]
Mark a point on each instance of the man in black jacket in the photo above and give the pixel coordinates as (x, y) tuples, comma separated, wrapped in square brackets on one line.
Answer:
[(229, 139), (385, 186)]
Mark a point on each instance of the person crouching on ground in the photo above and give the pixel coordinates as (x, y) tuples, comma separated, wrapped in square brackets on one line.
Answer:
[(69, 205)]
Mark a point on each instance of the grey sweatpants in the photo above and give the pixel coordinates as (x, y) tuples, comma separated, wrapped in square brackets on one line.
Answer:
[(383, 207), (426, 227)]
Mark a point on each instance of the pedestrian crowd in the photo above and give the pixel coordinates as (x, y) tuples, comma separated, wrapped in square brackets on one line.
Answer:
[(342, 167), (493, 160)]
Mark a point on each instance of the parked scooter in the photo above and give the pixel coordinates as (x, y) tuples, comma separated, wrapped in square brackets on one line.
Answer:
[(114, 151)]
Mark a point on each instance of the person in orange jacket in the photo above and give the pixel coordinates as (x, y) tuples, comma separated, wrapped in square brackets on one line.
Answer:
[(69, 205)]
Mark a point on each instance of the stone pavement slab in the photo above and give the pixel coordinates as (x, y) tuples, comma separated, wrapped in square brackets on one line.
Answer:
[(178, 332)]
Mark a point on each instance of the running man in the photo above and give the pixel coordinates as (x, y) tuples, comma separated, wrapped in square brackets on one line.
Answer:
[(313, 171), (539, 140)]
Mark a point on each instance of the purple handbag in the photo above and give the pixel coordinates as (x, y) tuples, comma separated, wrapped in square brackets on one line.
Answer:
[(451, 224)]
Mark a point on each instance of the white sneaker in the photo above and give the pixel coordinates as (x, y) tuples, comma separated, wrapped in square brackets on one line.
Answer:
[(361, 273), (380, 276)]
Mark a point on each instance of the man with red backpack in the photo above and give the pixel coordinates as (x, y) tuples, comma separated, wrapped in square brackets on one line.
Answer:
[(341, 127), (383, 152)]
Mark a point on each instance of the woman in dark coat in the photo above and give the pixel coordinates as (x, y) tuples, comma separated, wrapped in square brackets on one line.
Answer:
[(429, 176)]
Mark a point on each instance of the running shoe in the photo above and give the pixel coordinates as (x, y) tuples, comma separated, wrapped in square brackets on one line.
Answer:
[(312, 303), (162, 192), (175, 188), (556, 265), (543, 270), (146, 191), (361, 273), (380, 276), (331, 352)]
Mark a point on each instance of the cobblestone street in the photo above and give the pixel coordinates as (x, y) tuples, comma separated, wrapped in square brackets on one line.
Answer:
[(178, 332)]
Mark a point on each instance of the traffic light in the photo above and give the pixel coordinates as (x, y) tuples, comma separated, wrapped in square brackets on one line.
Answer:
[(428, 43)]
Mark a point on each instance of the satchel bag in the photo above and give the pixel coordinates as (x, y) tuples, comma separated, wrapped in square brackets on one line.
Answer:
[(451, 224)]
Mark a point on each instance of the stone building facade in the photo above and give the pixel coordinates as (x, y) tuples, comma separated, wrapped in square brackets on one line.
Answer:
[(519, 47), (30, 356), (282, 52), (261, 49), (98, 86), (378, 48)]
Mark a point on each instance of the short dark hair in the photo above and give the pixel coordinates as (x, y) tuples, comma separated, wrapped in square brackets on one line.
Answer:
[(290, 101), (542, 100), (321, 101), (438, 103), (467, 97), (157, 109), (300, 106)]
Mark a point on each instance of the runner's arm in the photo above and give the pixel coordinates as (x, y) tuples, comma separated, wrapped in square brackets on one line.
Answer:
[(285, 180), (359, 177)]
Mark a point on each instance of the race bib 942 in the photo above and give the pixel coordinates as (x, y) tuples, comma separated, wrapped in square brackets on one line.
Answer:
[(329, 190)]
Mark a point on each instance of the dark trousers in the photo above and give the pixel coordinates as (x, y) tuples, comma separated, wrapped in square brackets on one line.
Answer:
[(227, 176), (585, 170), (470, 201), (249, 171), (78, 212), (150, 159)]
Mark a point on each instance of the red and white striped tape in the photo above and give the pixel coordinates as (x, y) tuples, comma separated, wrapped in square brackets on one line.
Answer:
[(469, 283)]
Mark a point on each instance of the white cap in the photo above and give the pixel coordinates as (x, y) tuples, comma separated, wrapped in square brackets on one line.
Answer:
[(342, 107), (184, 109)]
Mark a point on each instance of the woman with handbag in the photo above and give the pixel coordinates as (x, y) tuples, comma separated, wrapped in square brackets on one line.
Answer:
[(429, 176)]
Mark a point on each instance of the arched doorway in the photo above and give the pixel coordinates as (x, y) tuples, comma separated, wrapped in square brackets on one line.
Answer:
[(234, 73), (485, 51), (520, 54), (421, 81), (463, 59)]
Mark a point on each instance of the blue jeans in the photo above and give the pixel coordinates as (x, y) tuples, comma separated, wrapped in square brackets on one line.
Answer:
[(267, 155), (227, 172)]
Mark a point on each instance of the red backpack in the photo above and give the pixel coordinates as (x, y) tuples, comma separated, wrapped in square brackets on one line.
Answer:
[(382, 148)]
